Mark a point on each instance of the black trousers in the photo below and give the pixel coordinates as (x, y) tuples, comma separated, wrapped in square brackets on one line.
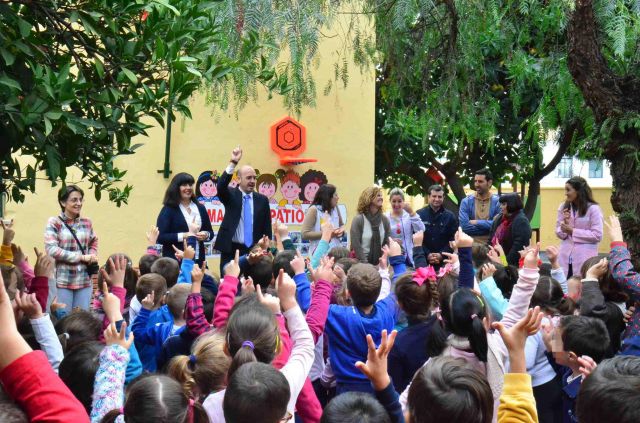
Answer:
[(227, 257), (549, 401)]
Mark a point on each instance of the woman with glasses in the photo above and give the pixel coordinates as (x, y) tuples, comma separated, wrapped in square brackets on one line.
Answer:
[(71, 241), (404, 223)]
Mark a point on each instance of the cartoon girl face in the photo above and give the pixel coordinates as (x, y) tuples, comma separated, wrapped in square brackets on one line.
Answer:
[(310, 191), (267, 189), (290, 190), (208, 189)]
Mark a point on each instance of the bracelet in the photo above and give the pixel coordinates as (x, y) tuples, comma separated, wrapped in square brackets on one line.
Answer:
[(235, 162)]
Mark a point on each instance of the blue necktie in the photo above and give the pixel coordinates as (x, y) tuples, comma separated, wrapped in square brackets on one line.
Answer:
[(248, 221)]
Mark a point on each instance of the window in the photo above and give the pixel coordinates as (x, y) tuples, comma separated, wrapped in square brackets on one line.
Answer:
[(565, 167), (595, 168)]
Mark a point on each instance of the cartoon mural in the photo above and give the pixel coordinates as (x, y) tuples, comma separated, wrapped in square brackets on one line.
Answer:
[(268, 186), (310, 181), (290, 188), (296, 194), (206, 188)]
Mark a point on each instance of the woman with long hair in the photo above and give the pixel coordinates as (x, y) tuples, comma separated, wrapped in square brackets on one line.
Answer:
[(370, 229), (323, 207), (579, 226)]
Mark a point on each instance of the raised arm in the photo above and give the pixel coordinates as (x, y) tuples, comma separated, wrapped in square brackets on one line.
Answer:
[(226, 293), (108, 388)]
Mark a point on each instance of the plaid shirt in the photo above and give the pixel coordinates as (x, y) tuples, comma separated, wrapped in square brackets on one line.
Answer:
[(60, 244)]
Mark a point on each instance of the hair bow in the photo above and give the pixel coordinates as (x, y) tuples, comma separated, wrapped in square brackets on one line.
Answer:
[(444, 270), (422, 274)]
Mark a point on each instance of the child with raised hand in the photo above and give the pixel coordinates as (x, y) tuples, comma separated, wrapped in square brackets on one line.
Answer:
[(252, 335), (43, 328), (28, 378), (156, 335), (517, 403), (151, 398), (463, 331), (112, 306), (347, 326), (416, 294), (623, 273), (354, 407), (603, 299), (574, 347), (108, 391)]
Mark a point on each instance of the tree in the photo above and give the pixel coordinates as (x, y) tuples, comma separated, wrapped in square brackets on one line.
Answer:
[(79, 79), (604, 62), (464, 85)]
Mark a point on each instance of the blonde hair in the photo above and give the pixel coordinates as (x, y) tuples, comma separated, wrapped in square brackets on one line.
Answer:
[(204, 373), (367, 197)]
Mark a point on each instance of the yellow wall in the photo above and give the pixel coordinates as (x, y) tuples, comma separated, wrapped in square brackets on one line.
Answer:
[(340, 134), (551, 199)]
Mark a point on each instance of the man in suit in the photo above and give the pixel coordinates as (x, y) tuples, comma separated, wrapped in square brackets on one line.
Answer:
[(247, 216)]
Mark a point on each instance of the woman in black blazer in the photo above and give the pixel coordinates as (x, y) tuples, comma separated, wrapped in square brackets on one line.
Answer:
[(182, 217), (511, 228)]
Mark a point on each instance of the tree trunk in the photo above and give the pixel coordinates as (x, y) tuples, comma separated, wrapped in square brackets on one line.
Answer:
[(625, 196), (609, 96)]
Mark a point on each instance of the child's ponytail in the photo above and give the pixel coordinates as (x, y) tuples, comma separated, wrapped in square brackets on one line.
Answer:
[(111, 416), (158, 398), (462, 314), (251, 335), (181, 369), (478, 338), (437, 340), (244, 355)]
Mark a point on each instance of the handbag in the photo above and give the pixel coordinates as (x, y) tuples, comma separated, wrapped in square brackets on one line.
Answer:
[(92, 268)]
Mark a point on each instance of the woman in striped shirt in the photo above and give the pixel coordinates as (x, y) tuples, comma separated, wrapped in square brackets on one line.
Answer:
[(70, 240)]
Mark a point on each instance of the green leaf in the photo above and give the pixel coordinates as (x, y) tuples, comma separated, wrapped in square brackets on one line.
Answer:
[(11, 83), (194, 71), (47, 126), (53, 115), (99, 66), (24, 27), (52, 162), (130, 75), (166, 4), (8, 57)]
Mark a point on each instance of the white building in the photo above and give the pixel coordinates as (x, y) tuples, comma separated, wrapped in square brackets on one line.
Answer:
[(596, 172)]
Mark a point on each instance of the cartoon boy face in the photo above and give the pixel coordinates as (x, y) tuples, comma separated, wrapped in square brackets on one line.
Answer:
[(208, 189), (290, 190), (310, 191), (267, 189)]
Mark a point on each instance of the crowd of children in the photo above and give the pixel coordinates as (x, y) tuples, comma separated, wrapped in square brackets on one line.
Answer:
[(281, 338)]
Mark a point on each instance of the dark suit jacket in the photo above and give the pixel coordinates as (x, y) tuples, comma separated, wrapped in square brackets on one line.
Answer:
[(517, 237), (171, 222), (232, 200)]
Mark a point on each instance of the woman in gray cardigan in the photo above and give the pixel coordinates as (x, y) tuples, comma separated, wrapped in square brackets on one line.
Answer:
[(370, 229)]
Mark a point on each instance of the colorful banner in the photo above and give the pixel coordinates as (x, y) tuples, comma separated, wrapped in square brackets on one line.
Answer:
[(289, 203)]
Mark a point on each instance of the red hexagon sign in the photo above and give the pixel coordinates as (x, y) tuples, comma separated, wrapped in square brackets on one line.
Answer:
[(288, 137)]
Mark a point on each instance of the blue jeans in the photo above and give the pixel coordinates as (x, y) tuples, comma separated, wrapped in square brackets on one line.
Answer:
[(75, 297)]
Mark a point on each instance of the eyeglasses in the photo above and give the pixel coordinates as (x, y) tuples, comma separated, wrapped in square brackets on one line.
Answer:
[(287, 417)]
